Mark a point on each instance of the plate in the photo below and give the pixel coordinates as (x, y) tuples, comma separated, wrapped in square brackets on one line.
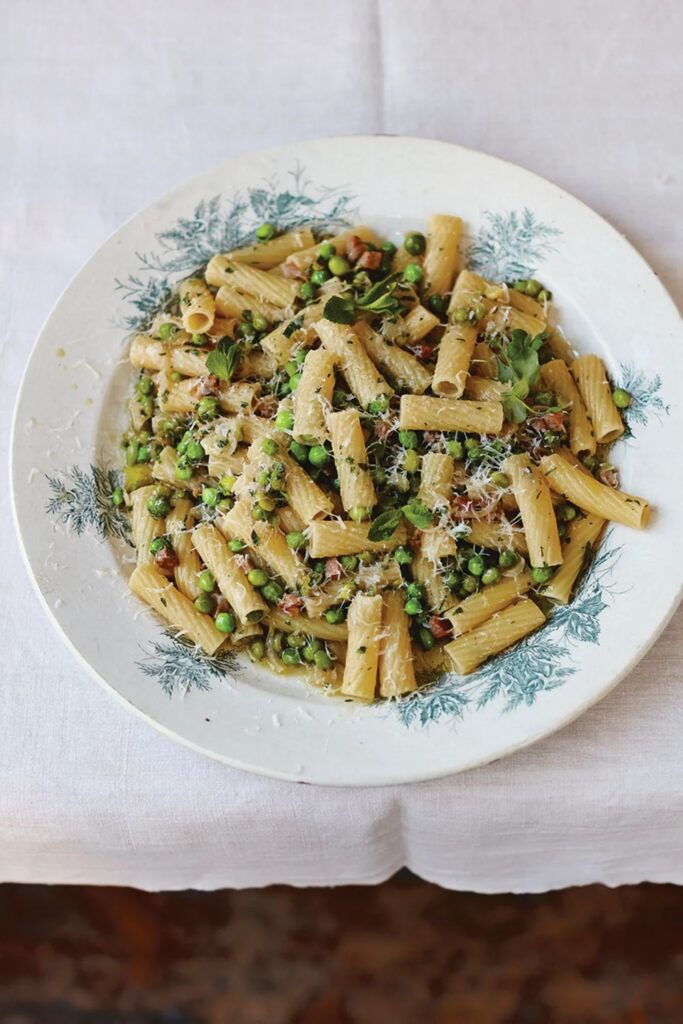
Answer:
[(65, 460)]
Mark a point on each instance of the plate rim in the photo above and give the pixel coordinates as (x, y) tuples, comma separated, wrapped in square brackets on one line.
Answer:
[(476, 761)]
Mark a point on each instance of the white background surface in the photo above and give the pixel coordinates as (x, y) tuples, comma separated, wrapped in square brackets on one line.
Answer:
[(104, 106)]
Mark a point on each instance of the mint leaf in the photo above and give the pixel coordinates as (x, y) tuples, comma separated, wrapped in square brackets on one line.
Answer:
[(340, 310), (221, 362), (418, 514), (379, 298), (385, 525)]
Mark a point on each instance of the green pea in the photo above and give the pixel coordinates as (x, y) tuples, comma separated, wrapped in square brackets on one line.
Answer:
[(413, 273), (290, 656), (264, 232), (225, 622), (298, 451), (259, 321), (157, 545), (379, 405), (236, 545), (206, 581), (590, 462), (478, 310), (167, 331), (565, 513), (456, 450), (277, 473), (158, 506), (408, 438), (436, 304), (246, 330), (411, 461), (145, 385), (413, 607), (389, 248), (452, 580), (491, 575), (335, 615), (296, 540), (520, 286), (533, 288), (175, 376), (380, 476), (257, 577), (322, 660), (561, 529), (541, 574), (326, 250), (469, 585), (210, 496), (426, 639), (291, 367), (195, 452), (339, 398), (269, 446), (360, 513), (307, 291), (319, 277), (415, 243), (318, 455), (117, 497), (349, 563), (284, 419), (272, 592), (338, 265), (257, 649), (460, 315), (259, 514), (621, 398), (294, 381), (475, 453), (266, 503), (403, 556), (476, 565), (471, 443), (414, 590), (132, 453), (204, 603), (207, 408), (297, 640), (506, 559), (227, 483), (182, 470), (500, 479)]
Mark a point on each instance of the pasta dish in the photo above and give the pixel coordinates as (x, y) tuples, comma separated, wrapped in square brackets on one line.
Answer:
[(353, 458)]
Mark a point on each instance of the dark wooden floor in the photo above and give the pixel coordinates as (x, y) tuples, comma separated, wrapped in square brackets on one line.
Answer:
[(401, 952)]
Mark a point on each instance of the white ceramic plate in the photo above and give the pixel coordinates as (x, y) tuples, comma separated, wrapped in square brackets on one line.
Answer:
[(69, 418)]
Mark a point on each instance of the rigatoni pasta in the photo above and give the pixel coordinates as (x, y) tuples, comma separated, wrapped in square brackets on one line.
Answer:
[(359, 461)]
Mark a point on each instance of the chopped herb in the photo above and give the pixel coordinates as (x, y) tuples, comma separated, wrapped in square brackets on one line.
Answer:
[(385, 525), (223, 360)]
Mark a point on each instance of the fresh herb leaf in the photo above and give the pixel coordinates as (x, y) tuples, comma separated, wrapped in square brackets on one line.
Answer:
[(385, 525), (518, 365), (223, 360), (418, 514), (295, 325), (380, 298), (340, 310)]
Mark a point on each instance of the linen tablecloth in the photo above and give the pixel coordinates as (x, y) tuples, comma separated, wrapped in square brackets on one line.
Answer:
[(103, 107)]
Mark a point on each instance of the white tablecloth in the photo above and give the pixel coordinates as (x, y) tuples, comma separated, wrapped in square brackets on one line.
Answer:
[(105, 105)]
